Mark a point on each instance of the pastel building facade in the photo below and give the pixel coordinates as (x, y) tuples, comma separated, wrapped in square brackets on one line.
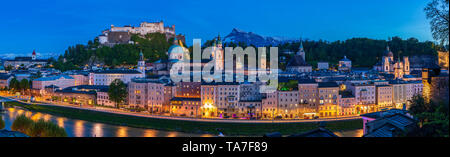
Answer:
[(105, 77), (328, 94), (62, 81), (384, 96), (288, 104), (270, 105), (146, 94)]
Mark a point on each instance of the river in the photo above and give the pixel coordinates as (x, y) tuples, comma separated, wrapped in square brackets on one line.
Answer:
[(81, 128)]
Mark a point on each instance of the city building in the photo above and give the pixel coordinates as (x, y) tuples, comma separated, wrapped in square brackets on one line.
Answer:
[(288, 104), (185, 107), (328, 94), (435, 85), (5, 79), (391, 123), (400, 93), (308, 97), (345, 64), (347, 104), (81, 77), (221, 99), (369, 117), (365, 97), (105, 77), (384, 96), (61, 81), (297, 63), (122, 35), (78, 95), (398, 68), (322, 65), (146, 94), (270, 105), (103, 98)]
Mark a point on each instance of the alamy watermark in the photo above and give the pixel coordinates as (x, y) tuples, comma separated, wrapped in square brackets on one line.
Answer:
[(227, 65)]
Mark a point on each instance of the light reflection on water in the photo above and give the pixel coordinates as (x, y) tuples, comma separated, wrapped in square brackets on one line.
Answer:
[(351, 133), (81, 128)]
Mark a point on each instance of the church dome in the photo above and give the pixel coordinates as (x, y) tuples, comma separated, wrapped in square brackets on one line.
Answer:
[(175, 51)]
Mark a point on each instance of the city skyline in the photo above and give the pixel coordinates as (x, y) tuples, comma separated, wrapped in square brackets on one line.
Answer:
[(57, 28)]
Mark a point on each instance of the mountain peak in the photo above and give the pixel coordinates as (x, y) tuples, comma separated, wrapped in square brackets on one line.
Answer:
[(251, 38)]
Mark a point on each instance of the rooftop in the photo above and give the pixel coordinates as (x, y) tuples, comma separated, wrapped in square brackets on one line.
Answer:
[(297, 60), (320, 132), (328, 84), (118, 71), (52, 78)]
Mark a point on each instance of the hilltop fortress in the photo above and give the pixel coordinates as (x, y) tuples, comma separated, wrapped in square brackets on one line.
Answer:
[(122, 35)]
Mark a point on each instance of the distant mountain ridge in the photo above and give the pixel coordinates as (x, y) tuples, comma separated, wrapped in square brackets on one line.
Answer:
[(251, 38)]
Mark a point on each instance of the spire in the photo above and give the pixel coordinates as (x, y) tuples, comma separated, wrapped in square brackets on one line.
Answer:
[(33, 55), (141, 55), (219, 41), (301, 46), (175, 40)]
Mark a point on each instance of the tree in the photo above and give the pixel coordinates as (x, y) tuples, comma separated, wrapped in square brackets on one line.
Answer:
[(24, 85), (14, 84), (8, 68), (437, 13), (117, 92), (433, 118)]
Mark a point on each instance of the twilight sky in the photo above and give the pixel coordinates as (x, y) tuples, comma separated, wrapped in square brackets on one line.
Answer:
[(50, 26)]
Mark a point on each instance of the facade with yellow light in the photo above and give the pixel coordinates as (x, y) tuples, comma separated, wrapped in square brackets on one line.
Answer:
[(328, 94), (146, 94)]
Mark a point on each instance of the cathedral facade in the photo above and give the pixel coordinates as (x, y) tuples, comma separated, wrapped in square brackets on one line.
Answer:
[(390, 66)]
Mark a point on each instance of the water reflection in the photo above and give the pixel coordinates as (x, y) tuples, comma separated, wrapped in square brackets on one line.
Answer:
[(60, 122), (80, 128), (122, 132), (150, 133), (351, 133), (97, 131)]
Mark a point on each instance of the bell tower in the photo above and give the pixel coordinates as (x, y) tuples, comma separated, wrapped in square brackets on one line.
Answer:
[(33, 55), (218, 54), (141, 63), (301, 51)]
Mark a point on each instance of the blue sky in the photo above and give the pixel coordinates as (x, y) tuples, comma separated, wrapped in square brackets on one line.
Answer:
[(52, 26)]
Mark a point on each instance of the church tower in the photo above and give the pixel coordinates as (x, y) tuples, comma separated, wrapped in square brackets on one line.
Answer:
[(398, 69), (33, 55), (218, 54), (406, 65), (141, 63)]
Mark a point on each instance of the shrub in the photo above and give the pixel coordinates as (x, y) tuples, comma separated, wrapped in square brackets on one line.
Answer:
[(41, 128), (21, 124)]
